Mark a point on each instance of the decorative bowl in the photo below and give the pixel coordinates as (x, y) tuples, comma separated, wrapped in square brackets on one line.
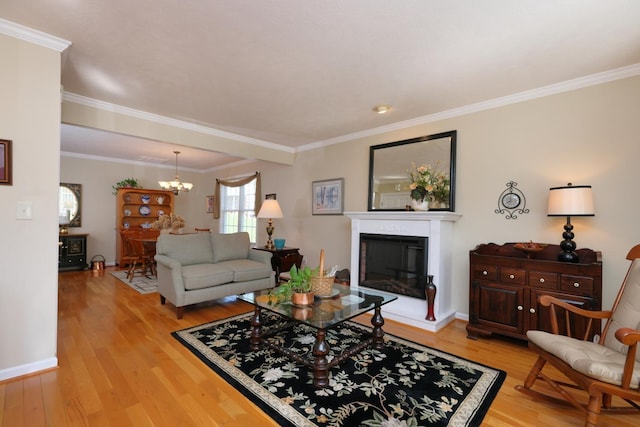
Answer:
[(530, 247)]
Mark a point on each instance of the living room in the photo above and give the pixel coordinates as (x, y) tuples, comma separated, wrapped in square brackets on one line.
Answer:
[(581, 131)]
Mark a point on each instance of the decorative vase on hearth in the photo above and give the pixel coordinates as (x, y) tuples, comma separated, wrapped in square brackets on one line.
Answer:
[(430, 293), (420, 205)]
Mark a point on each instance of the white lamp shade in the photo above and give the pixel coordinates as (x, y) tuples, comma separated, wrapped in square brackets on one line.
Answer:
[(572, 200), (270, 209)]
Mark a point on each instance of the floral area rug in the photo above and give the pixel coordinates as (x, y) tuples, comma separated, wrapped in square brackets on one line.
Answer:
[(142, 284), (406, 384)]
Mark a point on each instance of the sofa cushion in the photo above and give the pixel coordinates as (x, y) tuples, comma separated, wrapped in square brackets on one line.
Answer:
[(230, 246), (188, 249), (200, 276), (246, 269)]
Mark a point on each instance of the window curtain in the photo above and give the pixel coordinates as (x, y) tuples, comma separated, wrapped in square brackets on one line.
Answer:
[(238, 183)]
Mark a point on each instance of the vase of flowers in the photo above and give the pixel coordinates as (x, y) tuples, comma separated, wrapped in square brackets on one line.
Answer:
[(171, 221), (428, 185)]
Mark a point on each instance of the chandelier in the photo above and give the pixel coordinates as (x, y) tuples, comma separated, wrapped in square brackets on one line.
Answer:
[(176, 185)]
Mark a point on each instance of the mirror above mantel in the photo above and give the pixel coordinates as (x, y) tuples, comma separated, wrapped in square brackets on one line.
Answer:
[(390, 163), (69, 205)]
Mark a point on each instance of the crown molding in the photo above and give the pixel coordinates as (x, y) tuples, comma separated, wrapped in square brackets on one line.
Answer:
[(557, 88), (156, 165), (33, 36), (156, 118)]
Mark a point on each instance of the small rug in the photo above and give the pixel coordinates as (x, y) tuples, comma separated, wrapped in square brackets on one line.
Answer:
[(142, 284), (406, 384)]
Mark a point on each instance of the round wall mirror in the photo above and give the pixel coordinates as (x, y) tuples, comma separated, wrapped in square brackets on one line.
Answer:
[(69, 205)]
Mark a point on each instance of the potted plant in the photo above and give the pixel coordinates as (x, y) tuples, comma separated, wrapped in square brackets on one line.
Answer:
[(298, 288), (125, 183)]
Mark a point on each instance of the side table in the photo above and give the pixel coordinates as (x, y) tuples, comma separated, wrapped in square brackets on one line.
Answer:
[(283, 259)]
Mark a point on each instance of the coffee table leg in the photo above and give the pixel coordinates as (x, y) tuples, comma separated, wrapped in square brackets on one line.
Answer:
[(320, 369), (378, 334), (256, 332)]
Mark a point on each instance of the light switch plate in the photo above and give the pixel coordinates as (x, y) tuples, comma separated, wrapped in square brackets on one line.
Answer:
[(24, 210)]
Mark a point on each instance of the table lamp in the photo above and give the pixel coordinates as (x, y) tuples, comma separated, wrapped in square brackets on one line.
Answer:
[(571, 200), (270, 209)]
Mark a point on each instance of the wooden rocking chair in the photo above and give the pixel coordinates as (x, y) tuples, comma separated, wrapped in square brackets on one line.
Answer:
[(605, 369)]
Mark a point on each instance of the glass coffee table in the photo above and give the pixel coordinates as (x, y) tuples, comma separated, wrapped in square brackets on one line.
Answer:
[(325, 313)]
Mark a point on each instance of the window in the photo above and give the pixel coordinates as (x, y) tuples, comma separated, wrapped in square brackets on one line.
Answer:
[(236, 209)]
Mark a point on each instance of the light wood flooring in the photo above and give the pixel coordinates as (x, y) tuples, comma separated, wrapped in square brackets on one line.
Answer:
[(119, 366)]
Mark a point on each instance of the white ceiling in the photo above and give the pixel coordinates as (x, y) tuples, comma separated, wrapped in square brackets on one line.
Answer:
[(294, 72)]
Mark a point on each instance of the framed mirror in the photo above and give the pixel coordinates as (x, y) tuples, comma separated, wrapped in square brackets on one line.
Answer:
[(390, 166), (70, 205)]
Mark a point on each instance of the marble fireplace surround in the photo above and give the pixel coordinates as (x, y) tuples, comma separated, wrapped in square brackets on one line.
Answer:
[(438, 227)]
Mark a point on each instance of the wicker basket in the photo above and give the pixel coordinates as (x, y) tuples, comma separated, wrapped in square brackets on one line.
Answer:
[(322, 286)]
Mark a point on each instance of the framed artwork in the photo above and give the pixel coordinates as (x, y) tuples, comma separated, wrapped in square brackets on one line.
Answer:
[(271, 196), (5, 162), (211, 200), (327, 197)]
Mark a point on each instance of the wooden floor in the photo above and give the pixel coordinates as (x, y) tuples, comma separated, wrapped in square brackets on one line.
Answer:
[(119, 366)]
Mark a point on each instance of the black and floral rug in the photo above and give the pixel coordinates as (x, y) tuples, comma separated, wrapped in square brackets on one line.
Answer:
[(406, 384)]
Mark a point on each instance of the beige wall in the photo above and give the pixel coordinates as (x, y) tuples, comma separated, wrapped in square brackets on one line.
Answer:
[(587, 136), (30, 116), (99, 204)]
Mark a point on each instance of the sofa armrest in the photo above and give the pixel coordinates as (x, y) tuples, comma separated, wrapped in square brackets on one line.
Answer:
[(260, 256), (170, 283), (168, 262)]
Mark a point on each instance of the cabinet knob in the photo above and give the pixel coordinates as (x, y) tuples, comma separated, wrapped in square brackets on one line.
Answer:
[(511, 276), (484, 272), (542, 280), (532, 310), (576, 285), (520, 308)]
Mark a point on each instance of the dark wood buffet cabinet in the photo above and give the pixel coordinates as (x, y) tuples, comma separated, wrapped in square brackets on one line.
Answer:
[(505, 284), (72, 252)]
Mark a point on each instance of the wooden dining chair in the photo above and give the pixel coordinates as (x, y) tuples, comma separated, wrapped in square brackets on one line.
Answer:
[(608, 368), (129, 257)]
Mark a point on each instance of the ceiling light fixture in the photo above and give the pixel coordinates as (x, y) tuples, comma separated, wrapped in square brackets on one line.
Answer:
[(176, 185), (381, 109)]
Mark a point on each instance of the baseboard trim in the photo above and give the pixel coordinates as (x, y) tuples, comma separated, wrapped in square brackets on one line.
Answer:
[(28, 369)]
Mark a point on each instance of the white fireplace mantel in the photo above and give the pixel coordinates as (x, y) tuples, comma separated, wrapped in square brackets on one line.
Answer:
[(438, 227)]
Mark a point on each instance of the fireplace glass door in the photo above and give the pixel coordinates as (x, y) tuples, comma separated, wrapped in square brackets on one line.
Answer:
[(396, 264)]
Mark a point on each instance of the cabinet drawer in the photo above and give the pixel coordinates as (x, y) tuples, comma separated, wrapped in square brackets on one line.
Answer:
[(540, 279), (486, 272), (576, 284), (513, 275)]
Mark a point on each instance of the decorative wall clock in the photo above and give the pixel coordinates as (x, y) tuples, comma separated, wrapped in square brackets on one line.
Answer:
[(511, 202)]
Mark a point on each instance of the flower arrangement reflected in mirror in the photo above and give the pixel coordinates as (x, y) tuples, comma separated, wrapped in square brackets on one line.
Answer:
[(428, 184)]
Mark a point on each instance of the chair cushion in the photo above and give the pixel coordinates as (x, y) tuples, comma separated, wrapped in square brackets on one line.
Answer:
[(188, 249), (627, 312), (200, 276), (230, 246), (591, 359)]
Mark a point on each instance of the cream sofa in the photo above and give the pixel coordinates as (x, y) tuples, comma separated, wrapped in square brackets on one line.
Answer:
[(200, 267)]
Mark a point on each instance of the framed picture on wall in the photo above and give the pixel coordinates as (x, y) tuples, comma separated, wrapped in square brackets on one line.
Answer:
[(5, 162), (211, 200), (327, 197)]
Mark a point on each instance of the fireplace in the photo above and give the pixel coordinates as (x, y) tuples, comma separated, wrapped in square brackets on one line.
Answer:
[(396, 264), (433, 231)]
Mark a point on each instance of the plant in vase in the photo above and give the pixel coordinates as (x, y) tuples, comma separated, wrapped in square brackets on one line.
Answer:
[(298, 288), (427, 185)]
